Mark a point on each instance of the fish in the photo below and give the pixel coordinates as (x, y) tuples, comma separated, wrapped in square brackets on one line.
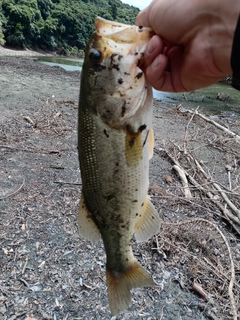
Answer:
[(115, 143)]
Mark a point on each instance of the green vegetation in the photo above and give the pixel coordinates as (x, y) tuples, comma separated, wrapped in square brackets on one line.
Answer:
[(59, 25)]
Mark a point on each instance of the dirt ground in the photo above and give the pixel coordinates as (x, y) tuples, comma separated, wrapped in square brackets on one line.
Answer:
[(49, 272)]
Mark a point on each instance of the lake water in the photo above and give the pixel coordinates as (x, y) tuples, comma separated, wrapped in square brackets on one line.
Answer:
[(210, 99)]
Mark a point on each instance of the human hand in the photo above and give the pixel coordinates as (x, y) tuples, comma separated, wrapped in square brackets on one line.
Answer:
[(193, 42)]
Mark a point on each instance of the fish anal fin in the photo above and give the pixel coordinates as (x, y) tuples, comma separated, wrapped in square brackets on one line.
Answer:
[(148, 223), (120, 284), (86, 225), (151, 143)]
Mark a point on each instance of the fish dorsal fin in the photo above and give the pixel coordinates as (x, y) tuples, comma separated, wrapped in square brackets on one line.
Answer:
[(120, 284), (87, 227), (148, 223), (151, 143)]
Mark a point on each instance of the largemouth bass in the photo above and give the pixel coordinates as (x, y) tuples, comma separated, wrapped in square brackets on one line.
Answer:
[(115, 142)]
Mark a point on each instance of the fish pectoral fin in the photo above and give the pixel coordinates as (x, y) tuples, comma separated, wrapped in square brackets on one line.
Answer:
[(151, 143), (120, 284), (86, 225), (148, 223), (133, 148)]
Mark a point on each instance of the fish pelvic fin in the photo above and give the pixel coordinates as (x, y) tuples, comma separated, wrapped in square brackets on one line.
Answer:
[(120, 284), (148, 223), (86, 225)]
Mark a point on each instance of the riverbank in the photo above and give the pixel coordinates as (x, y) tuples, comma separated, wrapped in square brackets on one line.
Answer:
[(47, 270), (5, 52)]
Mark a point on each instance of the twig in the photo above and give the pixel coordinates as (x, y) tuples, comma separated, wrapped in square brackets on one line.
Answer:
[(232, 268), (228, 215), (25, 265), (183, 178), (231, 205), (199, 290), (186, 130), (65, 182), (219, 126)]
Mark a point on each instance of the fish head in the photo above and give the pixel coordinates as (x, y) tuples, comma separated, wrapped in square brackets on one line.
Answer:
[(115, 85)]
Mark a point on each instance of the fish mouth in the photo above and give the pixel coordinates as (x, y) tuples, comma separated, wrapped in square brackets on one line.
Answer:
[(122, 33)]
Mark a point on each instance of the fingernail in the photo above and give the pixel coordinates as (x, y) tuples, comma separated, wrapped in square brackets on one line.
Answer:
[(150, 47), (156, 62)]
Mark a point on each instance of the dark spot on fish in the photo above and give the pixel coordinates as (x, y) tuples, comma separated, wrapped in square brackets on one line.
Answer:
[(127, 74), (123, 226), (140, 60), (146, 138), (139, 75), (142, 127), (117, 164), (142, 204), (134, 201), (99, 67), (140, 27), (111, 94), (136, 189), (136, 53), (153, 217), (145, 87), (105, 132), (120, 80), (120, 57), (132, 141), (113, 56), (126, 259), (130, 88), (123, 108), (114, 66), (109, 197), (136, 214)]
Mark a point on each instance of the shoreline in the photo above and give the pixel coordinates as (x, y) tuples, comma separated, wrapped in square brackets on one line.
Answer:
[(23, 53)]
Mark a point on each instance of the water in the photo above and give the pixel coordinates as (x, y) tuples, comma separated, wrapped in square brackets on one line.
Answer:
[(218, 99), (69, 64)]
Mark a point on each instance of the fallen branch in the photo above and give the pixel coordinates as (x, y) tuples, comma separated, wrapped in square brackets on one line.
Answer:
[(232, 219), (183, 178), (219, 126)]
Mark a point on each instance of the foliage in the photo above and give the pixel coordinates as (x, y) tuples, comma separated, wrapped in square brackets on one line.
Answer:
[(62, 25)]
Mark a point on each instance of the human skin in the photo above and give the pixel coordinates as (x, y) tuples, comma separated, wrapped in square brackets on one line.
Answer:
[(193, 42)]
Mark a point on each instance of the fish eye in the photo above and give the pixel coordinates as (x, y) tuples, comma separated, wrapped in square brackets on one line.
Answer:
[(95, 56)]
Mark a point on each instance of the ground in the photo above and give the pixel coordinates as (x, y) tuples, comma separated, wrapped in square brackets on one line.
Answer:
[(48, 271)]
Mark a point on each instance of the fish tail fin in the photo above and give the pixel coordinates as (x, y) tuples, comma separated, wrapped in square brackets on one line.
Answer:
[(120, 284)]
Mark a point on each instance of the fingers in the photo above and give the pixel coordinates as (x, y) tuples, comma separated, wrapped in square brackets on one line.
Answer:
[(155, 47), (162, 65)]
